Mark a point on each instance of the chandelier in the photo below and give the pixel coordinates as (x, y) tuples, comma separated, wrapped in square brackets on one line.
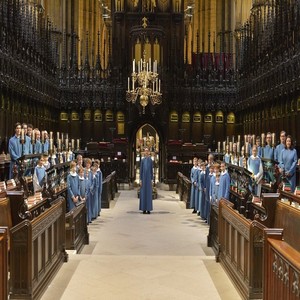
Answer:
[(144, 85)]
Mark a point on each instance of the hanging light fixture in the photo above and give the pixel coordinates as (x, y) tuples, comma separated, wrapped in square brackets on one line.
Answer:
[(144, 86)]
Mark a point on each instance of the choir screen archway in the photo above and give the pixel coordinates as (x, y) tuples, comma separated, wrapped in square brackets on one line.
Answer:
[(147, 137)]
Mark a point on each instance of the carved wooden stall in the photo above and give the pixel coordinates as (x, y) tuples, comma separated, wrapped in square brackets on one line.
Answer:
[(282, 254), (213, 234), (76, 228), (37, 252), (108, 190), (241, 250), (184, 189), (3, 263)]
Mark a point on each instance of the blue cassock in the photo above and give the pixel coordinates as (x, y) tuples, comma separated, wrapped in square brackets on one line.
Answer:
[(241, 159), (83, 187), (214, 191), (259, 151), (146, 176), (201, 187), (15, 152), (288, 162), (89, 197), (95, 195), (194, 188), (268, 152), (205, 205), (73, 189), (46, 146), (40, 174), (227, 158), (38, 147), (278, 151), (99, 190), (224, 186), (27, 145)]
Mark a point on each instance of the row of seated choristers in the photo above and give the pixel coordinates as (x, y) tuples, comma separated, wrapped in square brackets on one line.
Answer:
[(85, 186), (210, 183)]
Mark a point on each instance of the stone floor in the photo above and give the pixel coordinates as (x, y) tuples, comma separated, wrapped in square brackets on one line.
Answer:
[(133, 256)]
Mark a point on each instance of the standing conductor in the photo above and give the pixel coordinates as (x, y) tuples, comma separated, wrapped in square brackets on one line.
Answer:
[(146, 178)]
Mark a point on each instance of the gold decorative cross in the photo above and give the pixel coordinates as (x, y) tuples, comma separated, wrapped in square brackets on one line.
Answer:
[(145, 22)]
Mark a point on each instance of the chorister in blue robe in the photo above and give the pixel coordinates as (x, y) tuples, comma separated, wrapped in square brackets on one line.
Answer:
[(146, 176), (278, 151), (83, 183), (268, 152), (206, 207), (89, 197), (46, 146), (100, 178), (15, 152), (38, 147), (224, 186), (94, 190), (201, 187), (38, 177), (227, 158), (288, 162), (214, 190), (27, 148), (194, 188), (254, 165), (73, 189), (241, 161), (259, 151)]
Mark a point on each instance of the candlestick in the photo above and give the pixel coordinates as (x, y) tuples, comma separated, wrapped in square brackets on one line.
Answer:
[(67, 144), (43, 137), (22, 135), (72, 144), (59, 144), (51, 135), (238, 147), (33, 137), (128, 88), (78, 144), (224, 146), (219, 147), (51, 144)]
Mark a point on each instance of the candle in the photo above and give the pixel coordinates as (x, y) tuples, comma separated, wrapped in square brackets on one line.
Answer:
[(59, 144), (22, 134), (72, 144), (133, 66), (247, 148), (224, 146), (51, 144), (245, 139), (67, 144), (227, 140), (133, 84), (238, 147), (57, 136), (150, 64), (33, 137), (239, 138), (78, 145), (273, 139), (253, 139), (262, 139), (159, 85), (128, 88), (230, 147), (51, 135), (43, 137), (219, 147)]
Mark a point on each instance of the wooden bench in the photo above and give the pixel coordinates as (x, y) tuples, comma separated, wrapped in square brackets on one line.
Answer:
[(184, 189), (241, 249), (282, 254), (37, 252), (76, 228)]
